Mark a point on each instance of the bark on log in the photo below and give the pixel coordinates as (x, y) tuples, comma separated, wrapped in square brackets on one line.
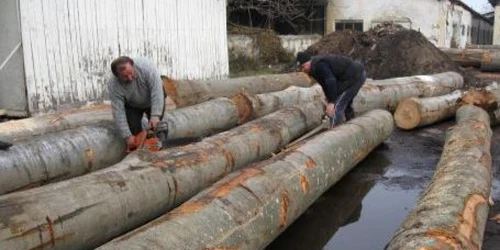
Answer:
[(57, 157), (466, 57), (452, 211), (249, 208), (85, 212), (186, 93), (392, 91), (416, 112)]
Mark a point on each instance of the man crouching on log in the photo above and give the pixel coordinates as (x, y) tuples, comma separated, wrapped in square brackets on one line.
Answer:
[(340, 78), (135, 89)]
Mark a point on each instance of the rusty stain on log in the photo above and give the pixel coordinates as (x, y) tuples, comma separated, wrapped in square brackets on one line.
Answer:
[(170, 86), (284, 208), (244, 107), (468, 224), (230, 162), (90, 158), (224, 188), (304, 183), (444, 238), (50, 225), (310, 163)]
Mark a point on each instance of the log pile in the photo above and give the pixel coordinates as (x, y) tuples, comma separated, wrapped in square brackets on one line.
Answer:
[(263, 200), (87, 211), (453, 210)]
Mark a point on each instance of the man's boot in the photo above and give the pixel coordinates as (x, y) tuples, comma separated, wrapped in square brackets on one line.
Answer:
[(162, 133)]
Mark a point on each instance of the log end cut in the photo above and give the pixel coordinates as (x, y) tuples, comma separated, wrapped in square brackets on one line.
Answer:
[(408, 115), (481, 98)]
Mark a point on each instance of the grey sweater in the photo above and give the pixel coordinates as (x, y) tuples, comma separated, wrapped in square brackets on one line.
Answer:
[(145, 91)]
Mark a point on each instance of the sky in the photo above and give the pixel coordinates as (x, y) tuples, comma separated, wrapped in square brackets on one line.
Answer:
[(479, 5)]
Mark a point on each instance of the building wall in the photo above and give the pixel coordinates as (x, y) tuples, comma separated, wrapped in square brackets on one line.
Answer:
[(440, 21), (244, 45), (12, 85), (68, 45)]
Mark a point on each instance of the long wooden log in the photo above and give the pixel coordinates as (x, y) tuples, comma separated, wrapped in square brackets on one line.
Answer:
[(186, 93), (222, 113), (466, 57), (452, 211), (416, 112), (85, 212), (18, 130), (57, 157), (249, 208), (488, 99), (392, 91), (483, 46)]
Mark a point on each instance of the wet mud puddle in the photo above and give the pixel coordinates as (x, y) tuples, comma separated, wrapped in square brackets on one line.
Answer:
[(368, 205)]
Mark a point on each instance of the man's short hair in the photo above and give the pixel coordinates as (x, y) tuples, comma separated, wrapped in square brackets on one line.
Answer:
[(119, 61)]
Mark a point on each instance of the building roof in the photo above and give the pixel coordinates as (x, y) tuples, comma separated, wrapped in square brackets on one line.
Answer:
[(472, 11)]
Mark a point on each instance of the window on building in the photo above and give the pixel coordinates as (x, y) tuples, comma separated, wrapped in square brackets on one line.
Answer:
[(349, 25), (463, 30)]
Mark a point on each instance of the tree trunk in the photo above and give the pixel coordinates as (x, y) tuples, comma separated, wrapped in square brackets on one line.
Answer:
[(386, 94), (18, 130), (491, 62), (249, 208), (57, 157), (416, 112), (488, 99), (186, 93), (85, 212), (452, 212), (199, 120), (466, 57)]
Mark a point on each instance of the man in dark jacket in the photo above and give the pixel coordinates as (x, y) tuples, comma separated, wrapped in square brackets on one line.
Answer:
[(340, 77)]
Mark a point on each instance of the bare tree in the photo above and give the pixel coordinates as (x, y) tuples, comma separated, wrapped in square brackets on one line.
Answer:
[(288, 11)]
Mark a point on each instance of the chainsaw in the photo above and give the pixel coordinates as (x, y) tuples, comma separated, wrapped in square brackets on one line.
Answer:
[(146, 140)]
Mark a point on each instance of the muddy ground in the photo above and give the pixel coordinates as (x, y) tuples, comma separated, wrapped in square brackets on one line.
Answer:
[(365, 209)]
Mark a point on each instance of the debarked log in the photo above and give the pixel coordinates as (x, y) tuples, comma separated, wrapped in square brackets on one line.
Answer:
[(416, 112), (58, 157), (386, 94), (249, 208), (87, 211), (185, 93), (452, 211)]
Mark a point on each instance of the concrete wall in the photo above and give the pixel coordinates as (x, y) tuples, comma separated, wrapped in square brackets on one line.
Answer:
[(12, 85), (245, 45), (68, 45), (440, 21)]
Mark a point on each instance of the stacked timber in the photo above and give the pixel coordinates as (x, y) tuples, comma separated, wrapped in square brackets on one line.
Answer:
[(74, 152), (251, 207), (87, 211), (453, 210), (386, 94), (182, 93)]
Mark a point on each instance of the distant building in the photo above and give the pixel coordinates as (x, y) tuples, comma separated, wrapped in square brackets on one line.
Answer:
[(57, 54), (446, 23)]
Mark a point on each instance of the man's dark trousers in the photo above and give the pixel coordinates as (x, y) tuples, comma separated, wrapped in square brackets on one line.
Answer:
[(343, 104)]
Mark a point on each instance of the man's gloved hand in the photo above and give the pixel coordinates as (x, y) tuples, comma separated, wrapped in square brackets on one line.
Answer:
[(153, 122), (130, 141)]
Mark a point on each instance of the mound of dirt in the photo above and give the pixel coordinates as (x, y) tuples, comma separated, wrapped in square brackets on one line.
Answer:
[(270, 49), (388, 51)]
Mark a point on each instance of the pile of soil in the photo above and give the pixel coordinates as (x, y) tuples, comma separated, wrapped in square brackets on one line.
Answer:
[(389, 50), (270, 49)]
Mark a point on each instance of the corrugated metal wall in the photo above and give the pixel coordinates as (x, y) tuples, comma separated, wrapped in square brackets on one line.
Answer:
[(69, 44)]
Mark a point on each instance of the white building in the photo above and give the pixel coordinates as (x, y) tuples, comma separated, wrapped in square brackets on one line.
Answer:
[(446, 23), (56, 54)]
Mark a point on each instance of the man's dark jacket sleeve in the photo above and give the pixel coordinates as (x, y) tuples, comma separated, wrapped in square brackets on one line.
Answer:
[(330, 84)]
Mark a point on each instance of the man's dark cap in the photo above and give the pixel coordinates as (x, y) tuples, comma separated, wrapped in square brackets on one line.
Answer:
[(303, 57)]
